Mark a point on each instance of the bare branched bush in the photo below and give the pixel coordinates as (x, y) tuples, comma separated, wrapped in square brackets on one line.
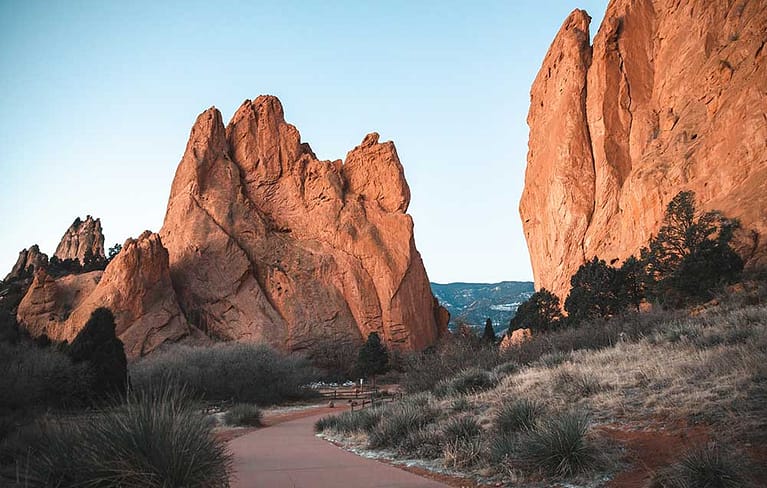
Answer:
[(253, 373)]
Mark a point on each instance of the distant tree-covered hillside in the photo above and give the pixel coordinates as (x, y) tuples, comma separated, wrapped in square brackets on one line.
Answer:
[(473, 303)]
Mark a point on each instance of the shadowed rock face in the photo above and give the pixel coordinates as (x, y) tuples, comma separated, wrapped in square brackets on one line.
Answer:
[(268, 243), (29, 259), (82, 235), (670, 97)]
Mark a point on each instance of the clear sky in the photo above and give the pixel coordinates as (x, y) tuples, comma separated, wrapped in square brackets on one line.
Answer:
[(97, 100)]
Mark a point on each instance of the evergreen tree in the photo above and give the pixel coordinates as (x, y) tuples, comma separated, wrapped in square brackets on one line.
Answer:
[(488, 336), (691, 254), (114, 251), (595, 292), (632, 281), (99, 347), (373, 358), (540, 313)]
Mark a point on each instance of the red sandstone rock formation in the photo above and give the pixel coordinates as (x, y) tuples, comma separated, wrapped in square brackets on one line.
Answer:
[(82, 236), (29, 260), (670, 97), (516, 338), (136, 286), (264, 243), (268, 243)]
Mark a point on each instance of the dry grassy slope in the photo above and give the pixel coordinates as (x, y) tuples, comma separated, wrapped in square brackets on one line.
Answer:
[(691, 377)]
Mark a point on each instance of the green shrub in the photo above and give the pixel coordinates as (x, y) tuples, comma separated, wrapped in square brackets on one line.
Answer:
[(252, 373), (467, 381), (426, 443), (35, 377), (461, 428), (423, 371), (576, 385), (709, 466), (97, 346), (559, 445), (460, 404), (503, 447), (423, 399), (399, 421), (462, 453), (506, 369), (517, 416), (348, 422), (244, 414), (155, 439)]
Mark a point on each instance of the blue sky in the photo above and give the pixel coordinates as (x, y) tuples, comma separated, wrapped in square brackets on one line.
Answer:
[(97, 100)]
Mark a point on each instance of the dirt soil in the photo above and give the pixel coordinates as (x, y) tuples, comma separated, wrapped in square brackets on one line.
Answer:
[(649, 450)]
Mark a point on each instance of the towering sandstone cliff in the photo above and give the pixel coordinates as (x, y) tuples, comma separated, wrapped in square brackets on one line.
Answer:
[(671, 96), (261, 242), (267, 242)]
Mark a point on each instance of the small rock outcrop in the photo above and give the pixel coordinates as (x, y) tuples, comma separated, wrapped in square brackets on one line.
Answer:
[(30, 260), (135, 286), (268, 243), (669, 97), (82, 237), (515, 338)]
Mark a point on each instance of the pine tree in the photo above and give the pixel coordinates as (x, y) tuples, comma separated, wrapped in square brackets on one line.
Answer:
[(97, 345), (488, 336), (691, 254), (595, 292), (540, 313), (373, 358)]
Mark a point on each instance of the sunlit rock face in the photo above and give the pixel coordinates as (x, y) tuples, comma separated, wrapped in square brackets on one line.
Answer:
[(82, 237), (29, 260), (136, 286), (268, 243), (261, 242), (670, 96)]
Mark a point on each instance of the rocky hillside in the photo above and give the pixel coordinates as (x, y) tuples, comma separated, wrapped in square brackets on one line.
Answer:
[(261, 242), (474, 303), (671, 95)]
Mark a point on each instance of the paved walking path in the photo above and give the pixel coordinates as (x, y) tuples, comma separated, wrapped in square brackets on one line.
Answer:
[(289, 455)]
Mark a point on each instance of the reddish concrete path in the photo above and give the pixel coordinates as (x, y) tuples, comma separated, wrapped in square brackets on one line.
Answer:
[(289, 455)]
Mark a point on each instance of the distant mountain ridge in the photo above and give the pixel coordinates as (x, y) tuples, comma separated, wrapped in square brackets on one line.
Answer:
[(473, 303)]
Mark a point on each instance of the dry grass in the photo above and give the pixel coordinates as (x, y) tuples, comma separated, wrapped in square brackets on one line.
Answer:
[(709, 367), (665, 376)]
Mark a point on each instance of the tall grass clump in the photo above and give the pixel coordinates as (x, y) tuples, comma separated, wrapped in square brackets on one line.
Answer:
[(155, 439), (349, 422), (426, 443), (559, 446), (397, 422), (709, 466), (519, 415), (423, 371), (461, 428), (244, 414), (252, 373), (470, 380)]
